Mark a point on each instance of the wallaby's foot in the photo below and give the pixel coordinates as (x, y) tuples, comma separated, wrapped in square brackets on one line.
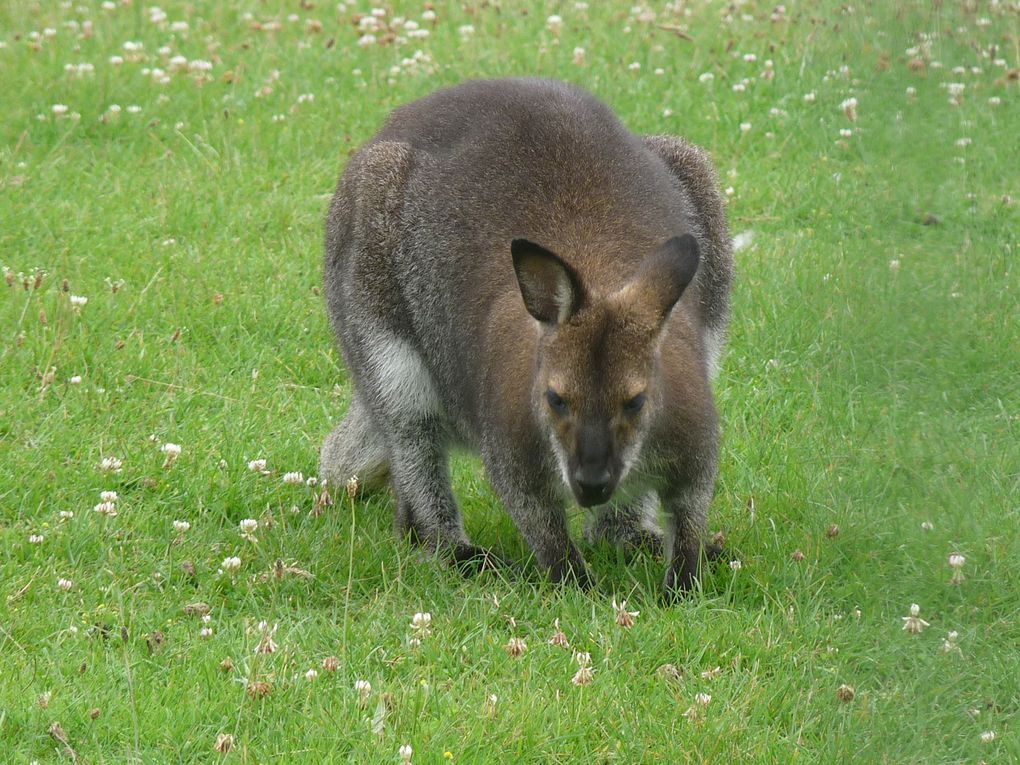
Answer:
[(687, 568), (471, 559), (572, 568)]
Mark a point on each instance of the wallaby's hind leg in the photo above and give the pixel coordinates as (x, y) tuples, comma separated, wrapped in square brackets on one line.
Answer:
[(632, 526), (408, 415), (354, 448)]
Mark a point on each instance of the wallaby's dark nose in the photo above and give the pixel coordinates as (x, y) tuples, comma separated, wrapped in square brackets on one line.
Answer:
[(593, 485)]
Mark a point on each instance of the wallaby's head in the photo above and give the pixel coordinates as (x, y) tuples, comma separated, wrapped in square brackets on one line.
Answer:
[(597, 380)]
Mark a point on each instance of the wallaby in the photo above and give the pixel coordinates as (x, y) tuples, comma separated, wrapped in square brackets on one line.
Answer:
[(508, 269)]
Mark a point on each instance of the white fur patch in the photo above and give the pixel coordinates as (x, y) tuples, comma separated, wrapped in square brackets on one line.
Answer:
[(404, 380), (714, 343)]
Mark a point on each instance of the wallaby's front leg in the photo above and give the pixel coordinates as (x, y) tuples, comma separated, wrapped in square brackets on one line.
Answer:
[(687, 511), (542, 521)]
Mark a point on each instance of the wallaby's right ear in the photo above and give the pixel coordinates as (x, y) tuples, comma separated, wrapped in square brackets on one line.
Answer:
[(550, 288)]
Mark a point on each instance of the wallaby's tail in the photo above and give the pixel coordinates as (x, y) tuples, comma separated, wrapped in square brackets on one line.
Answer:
[(354, 448)]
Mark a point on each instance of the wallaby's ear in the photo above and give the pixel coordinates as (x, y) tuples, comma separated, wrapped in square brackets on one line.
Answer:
[(550, 288), (663, 277)]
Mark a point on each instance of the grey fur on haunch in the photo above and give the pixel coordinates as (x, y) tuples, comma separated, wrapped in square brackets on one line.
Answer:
[(508, 269)]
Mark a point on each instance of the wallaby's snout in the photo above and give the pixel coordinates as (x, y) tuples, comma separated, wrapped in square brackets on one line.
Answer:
[(595, 474)]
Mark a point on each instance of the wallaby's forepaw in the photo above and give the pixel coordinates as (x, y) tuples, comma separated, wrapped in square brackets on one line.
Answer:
[(572, 568)]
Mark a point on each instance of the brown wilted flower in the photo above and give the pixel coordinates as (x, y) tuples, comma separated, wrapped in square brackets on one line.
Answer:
[(797, 555), (196, 609), (224, 743), (624, 617), (94, 713), (585, 674), (258, 689), (267, 644), (352, 487), (227, 665), (845, 693), (559, 639), (670, 672), (832, 532), (516, 646), (331, 664)]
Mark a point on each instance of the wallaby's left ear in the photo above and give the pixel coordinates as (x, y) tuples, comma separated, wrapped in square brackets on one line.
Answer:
[(662, 278), (550, 288)]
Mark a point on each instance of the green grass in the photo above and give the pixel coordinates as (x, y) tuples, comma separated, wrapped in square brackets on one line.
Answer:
[(853, 394)]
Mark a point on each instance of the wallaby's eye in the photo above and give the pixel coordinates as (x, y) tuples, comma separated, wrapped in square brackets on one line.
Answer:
[(633, 406), (556, 402)]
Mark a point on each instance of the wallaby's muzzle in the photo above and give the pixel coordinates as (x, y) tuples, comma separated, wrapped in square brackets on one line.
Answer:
[(592, 487), (592, 477)]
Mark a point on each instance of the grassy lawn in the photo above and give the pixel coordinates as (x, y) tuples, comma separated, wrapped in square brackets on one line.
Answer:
[(870, 396)]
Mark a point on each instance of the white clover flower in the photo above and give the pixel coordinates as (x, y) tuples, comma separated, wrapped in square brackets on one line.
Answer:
[(179, 26), (78, 302), (116, 60), (66, 515), (428, 15), (579, 54), (810, 98), (849, 107), (181, 526), (65, 584), (914, 623), (311, 674), (205, 632), (248, 527), (405, 753), (745, 127), (172, 452), (108, 509), (293, 478), (634, 66), (846, 133), (927, 526), (465, 30), (59, 109), (703, 699), (231, 564), (36, 539), (75, 380), (706, 77), (956, 561), (108, 496), (257, 466), (750, 58), (988, 737), (949, 644), (555, 24), (364, 690), (585, 674), (736, 565), (911, 91), (421, 623)]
